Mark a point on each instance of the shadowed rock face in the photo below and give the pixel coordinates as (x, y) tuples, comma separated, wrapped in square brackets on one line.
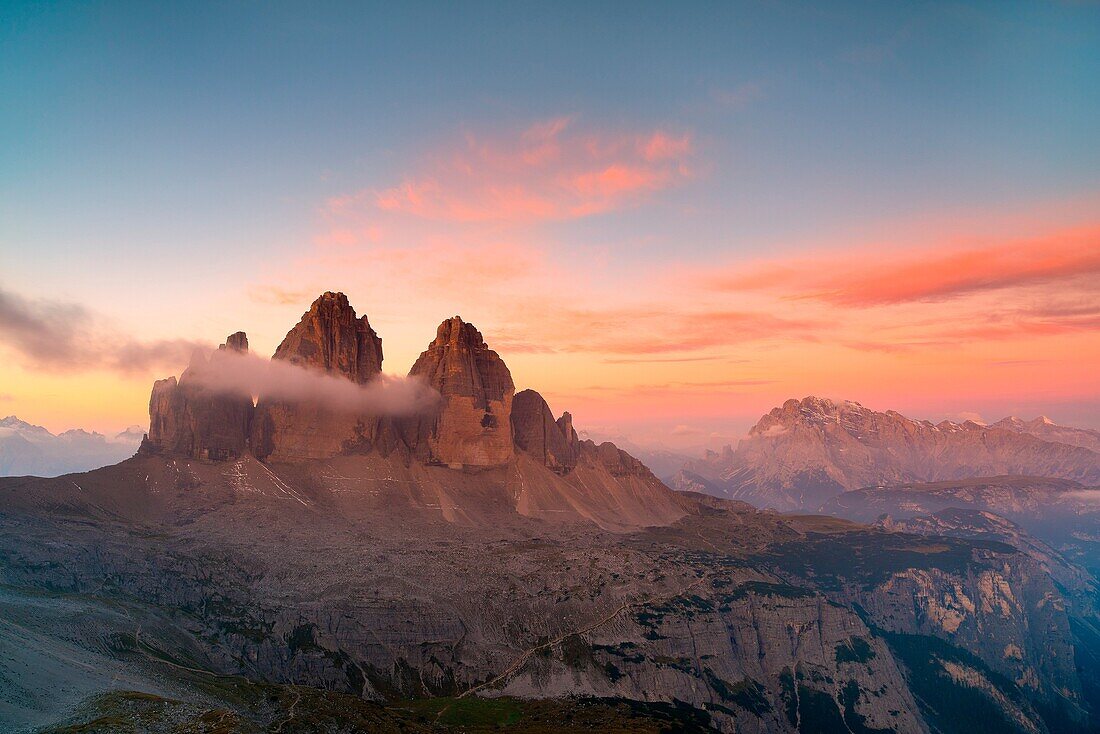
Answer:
[(554, 443), (329, 338), (188, 419), (472, 426)]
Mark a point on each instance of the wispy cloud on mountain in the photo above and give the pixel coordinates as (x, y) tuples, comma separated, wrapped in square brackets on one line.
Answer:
[(66, 337)]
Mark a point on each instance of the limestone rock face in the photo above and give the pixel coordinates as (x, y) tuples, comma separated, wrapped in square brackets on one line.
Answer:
[(189, 419), (472, 426), (565, 425), (614, 459), (329, 338), (536, 432)]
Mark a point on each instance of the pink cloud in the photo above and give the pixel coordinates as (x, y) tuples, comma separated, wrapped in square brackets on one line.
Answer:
[(661, 146), (864, 277), (550, 171)]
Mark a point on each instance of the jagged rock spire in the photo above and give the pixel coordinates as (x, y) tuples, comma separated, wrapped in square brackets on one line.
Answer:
[(328, 338), (188, 419), (472, 426), (554, 443)]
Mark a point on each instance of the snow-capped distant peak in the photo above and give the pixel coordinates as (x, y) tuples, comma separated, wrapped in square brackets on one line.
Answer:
[(15, 425)]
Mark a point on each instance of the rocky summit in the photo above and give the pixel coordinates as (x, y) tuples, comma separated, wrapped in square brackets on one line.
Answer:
[(332, 340), (296, 565), (473, 425)]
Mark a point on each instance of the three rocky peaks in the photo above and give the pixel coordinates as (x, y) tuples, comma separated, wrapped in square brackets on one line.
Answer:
[(479, 421)]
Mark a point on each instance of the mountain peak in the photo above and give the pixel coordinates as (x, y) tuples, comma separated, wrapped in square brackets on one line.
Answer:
[(1046, 429), (237, 342), (473, 424), (807, 450), (187, 418), (18, 425), (554, 443), (454, 330), (330, 337)]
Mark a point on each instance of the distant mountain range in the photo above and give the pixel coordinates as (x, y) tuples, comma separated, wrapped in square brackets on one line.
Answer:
[(27, 449), (804, 452), (1046, 429)]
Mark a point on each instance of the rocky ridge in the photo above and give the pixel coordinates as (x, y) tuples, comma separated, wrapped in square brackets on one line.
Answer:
[(806, 451), (1047, 430)]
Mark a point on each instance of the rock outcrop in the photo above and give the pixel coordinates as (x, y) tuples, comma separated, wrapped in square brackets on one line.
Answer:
[(554, 443), (329, 338), (472, 425), (189, 419), (478, 423)]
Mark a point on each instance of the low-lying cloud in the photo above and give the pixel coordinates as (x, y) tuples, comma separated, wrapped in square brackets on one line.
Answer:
[(234, 373), (66, 337)]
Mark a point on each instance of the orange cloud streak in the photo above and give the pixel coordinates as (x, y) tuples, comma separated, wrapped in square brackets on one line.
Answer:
[(869, 278)]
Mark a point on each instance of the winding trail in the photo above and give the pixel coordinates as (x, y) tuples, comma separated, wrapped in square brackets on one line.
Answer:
[(290, 712), (144, 650), (524, 657)]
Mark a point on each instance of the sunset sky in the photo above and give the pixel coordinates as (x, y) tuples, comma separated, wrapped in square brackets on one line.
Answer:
[(667, 220)]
